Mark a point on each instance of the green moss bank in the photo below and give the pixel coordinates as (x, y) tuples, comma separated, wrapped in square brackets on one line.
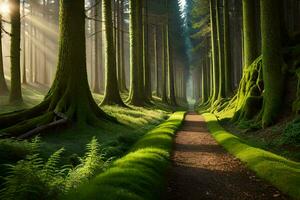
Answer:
[(281, 172), (141, 173)]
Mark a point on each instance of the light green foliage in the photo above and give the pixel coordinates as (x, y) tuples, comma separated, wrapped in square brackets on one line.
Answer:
[(32, 178), (279, 171), (246, 105), (141, 173)]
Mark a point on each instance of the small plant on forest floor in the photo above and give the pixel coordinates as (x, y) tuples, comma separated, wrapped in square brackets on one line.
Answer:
[(291, 134), (32, 178)]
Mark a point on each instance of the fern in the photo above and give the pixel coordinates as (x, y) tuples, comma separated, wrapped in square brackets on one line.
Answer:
[(32, 178), (90, 164)]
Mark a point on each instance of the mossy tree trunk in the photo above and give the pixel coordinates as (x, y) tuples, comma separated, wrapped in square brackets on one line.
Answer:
[(147, 69), (214, 56), (112, 94), (123, 87), (272, 60), (15, 90), (136, 93), (24, 77), (172, 97), (70, 93), (164, 96), (98, 52), (227, 49), (3, 85), (220, 45), (156, 59), (249, 32)]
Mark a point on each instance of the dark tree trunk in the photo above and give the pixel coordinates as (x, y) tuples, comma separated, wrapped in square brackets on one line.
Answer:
[(70, 93), (272, 60), (250, 32), (15, 90)]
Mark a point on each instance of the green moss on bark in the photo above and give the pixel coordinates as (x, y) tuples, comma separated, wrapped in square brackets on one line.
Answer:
[(112, 94), (70, 93)]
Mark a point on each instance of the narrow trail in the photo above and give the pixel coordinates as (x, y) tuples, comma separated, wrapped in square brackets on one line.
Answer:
[(202, 169)]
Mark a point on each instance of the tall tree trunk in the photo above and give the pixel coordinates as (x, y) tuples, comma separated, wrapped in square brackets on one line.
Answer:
[(220, 51), (3, 85), (44, 48), (70, 93), (136, 94), (97, 66), (111, 95), (123, 87), (164, 96), (215, 62), (15, 91), (156, 59), (172, 98), (24, 77), (147, 69), (272, 60), (227, 50), (250, 32)]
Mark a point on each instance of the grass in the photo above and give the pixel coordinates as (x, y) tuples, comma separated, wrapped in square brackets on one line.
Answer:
[(115, 139), (141, 173), (279, 171)]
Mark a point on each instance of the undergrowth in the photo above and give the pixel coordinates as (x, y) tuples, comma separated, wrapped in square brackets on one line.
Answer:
[(141, 173), (281, 172), (33, 178)]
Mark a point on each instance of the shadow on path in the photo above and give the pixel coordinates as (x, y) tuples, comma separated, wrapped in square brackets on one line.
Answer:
[(202, 169)]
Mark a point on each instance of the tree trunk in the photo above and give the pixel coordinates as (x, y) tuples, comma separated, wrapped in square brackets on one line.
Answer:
[(172, 98), (111, 95), (3, 85), (215, 62), (156, 60), (250, 32), (123, 87), (227, 50), (136, 94), (24, 77), (220, 51), (147, 69), (272, 60), (15, 91), (70, 93), (164, 96), (97, 66)]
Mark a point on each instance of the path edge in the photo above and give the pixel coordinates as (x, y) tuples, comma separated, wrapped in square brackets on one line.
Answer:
[(139, 175), (277, 170)]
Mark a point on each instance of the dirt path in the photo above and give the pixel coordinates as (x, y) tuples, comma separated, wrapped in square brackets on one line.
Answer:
[(202, 169)]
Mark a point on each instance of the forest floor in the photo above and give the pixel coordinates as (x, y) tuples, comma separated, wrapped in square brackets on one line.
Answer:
[(115, 139), (202, 169)]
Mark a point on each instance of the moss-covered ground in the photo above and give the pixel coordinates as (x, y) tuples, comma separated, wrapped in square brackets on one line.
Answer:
[(115, 139), (281, 172), (141, 173)]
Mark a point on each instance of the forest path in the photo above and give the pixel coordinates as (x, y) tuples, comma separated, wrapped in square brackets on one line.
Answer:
[(202, 169)]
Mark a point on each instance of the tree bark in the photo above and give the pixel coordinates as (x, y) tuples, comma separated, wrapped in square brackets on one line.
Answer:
[(70, 93), (136, 93), (272, 60), (249, 32), (3, 85), (215, 61), (111, 95), (15, 90)]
